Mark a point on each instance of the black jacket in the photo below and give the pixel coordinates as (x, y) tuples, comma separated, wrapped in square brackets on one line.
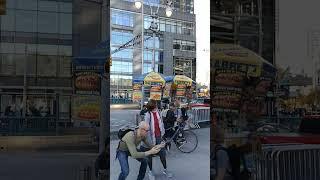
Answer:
[(169, 120)]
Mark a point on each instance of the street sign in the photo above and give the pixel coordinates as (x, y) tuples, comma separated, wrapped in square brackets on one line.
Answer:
[(88, 64)]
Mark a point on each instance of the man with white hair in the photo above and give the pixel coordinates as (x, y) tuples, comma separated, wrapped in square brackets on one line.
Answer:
[(128, 147)]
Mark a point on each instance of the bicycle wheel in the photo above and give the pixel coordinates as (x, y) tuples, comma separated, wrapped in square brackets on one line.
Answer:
[(188, 143)]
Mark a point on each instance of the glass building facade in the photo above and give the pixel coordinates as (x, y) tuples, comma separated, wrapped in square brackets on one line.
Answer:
[(175, 40), (39, 32)]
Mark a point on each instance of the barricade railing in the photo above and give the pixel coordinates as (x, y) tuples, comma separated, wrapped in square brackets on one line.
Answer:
[(288, 162), (86, 173), (199, 115), (290, 122), (121, 101), (29, 125)]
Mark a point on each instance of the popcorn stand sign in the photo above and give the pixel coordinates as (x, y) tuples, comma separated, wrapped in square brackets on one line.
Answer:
[(86, 108)]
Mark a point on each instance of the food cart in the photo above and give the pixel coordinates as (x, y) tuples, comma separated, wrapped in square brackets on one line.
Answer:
[(148, 86), (241, 80), (179, 87)]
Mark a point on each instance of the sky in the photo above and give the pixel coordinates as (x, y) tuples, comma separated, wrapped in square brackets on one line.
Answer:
[(295, 19), (202, 11)]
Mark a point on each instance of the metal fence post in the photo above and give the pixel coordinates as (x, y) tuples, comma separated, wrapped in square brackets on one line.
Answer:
[(57, 113)]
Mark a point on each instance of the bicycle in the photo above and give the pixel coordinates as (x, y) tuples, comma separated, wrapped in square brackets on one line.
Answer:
[(185, 140)]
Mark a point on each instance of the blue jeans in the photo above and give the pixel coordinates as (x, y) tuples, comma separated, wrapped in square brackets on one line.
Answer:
[(123, 160)]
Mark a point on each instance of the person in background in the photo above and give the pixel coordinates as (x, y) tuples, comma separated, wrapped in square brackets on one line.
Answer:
[(253, 145), (169, 121), (219, 157), (143, 110)]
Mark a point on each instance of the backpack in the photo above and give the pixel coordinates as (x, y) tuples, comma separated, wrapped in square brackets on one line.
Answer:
[(123, 131), (237, 162)]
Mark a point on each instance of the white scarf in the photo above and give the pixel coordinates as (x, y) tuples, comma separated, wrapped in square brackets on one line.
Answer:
[(150, 120)]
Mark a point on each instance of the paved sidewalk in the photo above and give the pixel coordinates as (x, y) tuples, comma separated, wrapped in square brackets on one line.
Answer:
[(184, 166), (44, 165)]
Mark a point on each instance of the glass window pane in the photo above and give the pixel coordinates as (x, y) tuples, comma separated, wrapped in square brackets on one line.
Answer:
[(44, 49), (8, 20), (7, 64), (65, 66), (20, 48), (47, 66), (65, 50), (64, 103), (47, 22), (7, 48), (31, 65), (48, 5), (19, 64), (26, 21), (168, 28), (27, 5), (65, 7), (10, 4), (65, 23)]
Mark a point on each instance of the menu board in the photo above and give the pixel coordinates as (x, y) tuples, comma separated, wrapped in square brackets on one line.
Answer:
[(86, 108), (137, 92), (155, 92), (181, 90), (87, 83), (136, 95), (228, 78), (226, 98)]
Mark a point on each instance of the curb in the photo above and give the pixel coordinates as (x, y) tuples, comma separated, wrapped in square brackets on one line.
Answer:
[(124, 106)]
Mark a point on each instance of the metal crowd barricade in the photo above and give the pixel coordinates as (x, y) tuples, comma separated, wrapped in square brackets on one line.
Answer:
[(288, 162), (27, 126), (86, 173), (199, 115), (121, 101)]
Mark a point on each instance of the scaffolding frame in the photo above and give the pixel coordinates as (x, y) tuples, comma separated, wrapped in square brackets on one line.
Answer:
[(234, 20)]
